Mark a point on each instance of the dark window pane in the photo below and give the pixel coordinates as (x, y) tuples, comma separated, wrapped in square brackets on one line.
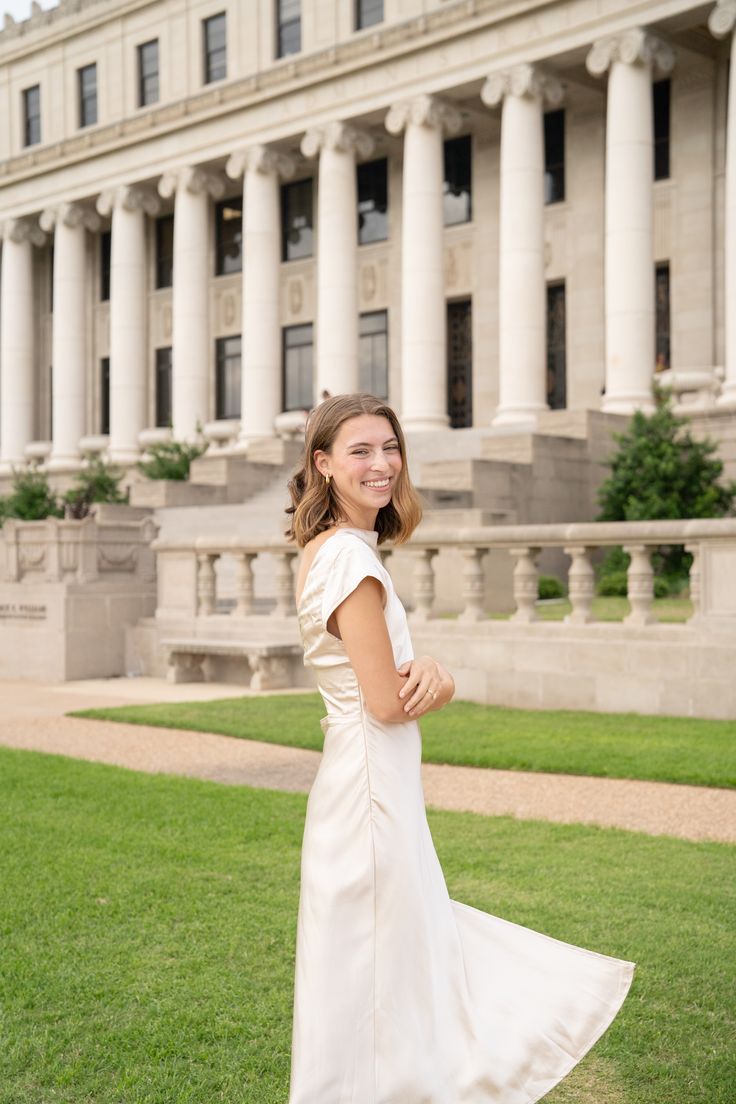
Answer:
[(373, 353), (554, 156), (105, 395), (661, 96), (373, 201), (229, 236), (105, 249), (457, 199), (215, 48), (163, 387), (367, 13), (148, 73), (288, 27), (460, 364), (32, 116), (87, 95), (662, 307), (227, 377), (298, 387), (165, 251), (296, 220), (556, 347)]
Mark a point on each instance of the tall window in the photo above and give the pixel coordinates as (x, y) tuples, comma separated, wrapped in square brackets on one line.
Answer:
[(163, 387), (288, 27), (32, 116), (373, 353), (214, 33), (87, 79), (661, 91), (662, 315), (373, 201), (229, 236), (105, 256), (164, 251), (457, 199), (556, 347), (105, 395), (554, 156), (296, 220), (460, 363), (298, 367), (227, 377), (148, 73), (368, 13)]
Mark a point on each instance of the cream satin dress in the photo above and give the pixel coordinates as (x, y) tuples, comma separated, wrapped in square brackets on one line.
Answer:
[(402, 995)]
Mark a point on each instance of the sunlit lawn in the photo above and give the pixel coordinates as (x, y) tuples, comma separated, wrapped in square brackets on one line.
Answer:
[(147, 926), (611, 609)]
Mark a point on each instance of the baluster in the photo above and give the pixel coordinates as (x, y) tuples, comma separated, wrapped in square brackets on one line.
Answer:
[(695, 581), (526, 584), (206, 583), (474, 584), (581, 584), (245, 590), (285, 602), (641, 585), (423, 579)]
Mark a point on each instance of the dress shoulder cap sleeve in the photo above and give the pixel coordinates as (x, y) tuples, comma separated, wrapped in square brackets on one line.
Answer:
[(353, 562)]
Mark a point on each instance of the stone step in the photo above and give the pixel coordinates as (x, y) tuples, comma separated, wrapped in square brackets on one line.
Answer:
[(275, 451), (240, 476), (159, 494)]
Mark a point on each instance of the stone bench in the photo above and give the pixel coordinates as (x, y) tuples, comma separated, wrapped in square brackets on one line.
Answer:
[(270, 665)]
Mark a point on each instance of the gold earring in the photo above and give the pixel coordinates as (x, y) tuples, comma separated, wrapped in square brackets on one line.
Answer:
[(327, 479)]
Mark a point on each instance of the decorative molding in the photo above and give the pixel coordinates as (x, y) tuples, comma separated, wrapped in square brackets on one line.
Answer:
[(636, 46), (130, 197), (261, 159), (524, 80), (424, 110), (722, 20), (72, 215), (196, 181), (338, 136), (20, 230)]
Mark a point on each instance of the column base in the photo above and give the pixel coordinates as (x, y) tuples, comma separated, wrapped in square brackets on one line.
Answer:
[(523, 417), (628, 404), (124, 455), (727, 397), (71, 463), (424, 423)]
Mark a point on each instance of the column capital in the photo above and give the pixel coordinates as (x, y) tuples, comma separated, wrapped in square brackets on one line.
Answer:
[(522, 80), (194, 180), (130, 197), (637, 46), (71, 215), (424, 110), (338, 136), (722, 20), (23, 229), (262, 159)]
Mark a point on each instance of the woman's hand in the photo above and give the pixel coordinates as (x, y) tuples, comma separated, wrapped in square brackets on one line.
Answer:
[(428, 686)]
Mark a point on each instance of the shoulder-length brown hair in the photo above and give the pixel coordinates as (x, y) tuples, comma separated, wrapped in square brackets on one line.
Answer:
[(315, 505)]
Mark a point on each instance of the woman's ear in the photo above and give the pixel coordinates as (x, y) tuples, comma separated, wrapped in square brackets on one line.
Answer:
[(321, 461)]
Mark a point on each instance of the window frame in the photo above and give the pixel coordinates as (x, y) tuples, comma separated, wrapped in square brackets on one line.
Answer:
[(221, 254), (287, 190), (445, 182), (159, 256), (159, 366), (29, 117), (554, 170), (281, 27), (662, 143), (285, 331), (361, 169), (359, 15), (223, 364), (104, 407), (143, 100), (208, 75), (105, 265), (84, 102), (362, 317)]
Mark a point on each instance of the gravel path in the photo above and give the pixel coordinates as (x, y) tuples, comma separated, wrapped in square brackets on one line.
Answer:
[(33, 721)]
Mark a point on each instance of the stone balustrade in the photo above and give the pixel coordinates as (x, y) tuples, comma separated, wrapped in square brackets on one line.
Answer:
[(83, 551)]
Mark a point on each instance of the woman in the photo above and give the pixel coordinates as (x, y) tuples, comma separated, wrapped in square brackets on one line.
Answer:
[(402, 995)]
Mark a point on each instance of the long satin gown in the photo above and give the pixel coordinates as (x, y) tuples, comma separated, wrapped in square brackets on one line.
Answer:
[(402, 995)]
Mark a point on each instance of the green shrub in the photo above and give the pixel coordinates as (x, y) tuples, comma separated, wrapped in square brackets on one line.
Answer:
[(30, 499), (549, 586), (170, 460), (99, 481), (612, 585)]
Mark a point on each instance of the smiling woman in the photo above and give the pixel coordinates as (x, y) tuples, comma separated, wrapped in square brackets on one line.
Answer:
[(401, 994)]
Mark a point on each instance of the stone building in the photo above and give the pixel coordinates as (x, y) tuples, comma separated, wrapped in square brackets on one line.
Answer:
[(214, 210)]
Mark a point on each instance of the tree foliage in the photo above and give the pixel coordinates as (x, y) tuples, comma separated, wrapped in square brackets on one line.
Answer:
[(30, 498), (170, 460), (99, 481)]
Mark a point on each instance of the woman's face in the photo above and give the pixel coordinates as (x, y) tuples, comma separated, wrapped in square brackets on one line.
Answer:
[(364, 463)]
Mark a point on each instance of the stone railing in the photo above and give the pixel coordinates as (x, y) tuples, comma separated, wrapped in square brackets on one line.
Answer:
[(188, 576), (86, 551)]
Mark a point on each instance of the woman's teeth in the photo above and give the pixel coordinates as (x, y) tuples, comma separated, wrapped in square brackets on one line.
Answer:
[(376, 483)]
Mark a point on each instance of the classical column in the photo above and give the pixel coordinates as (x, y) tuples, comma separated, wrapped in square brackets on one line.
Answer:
[(128, 346), (69, 221), (522, 321), (337, 253), (260, 388), (629, 249), (424, 121), (722, 22), (17, 326), (191, 351)]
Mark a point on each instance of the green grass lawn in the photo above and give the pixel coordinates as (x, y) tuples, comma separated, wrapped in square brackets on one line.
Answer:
[(147, 927), (614, 745), (606, 609)]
